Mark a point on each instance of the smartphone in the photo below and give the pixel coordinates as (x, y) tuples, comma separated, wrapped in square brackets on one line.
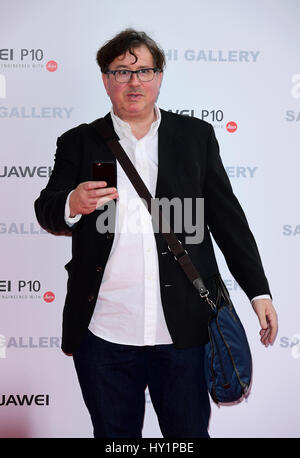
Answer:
[(105, 171)]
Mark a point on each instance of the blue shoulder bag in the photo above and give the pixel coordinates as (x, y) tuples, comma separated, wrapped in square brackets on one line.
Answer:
[(228, 357)]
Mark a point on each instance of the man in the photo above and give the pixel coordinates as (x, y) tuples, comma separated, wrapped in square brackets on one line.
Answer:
[(131, 317)]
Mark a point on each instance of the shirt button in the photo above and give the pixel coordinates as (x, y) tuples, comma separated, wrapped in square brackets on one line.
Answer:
[(90, 298), (109, 236), (99, 268)]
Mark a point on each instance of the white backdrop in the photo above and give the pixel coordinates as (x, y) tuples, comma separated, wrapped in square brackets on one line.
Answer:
[(233, 62)]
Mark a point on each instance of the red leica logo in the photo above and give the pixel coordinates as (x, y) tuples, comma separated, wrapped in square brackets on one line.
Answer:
[(49, 296), (51, 66), (231, 126)]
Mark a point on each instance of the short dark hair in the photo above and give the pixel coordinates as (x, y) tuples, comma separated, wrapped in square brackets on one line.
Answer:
[(128, 40)]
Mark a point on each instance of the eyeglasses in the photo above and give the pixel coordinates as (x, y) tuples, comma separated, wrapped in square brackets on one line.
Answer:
[(123, 76)]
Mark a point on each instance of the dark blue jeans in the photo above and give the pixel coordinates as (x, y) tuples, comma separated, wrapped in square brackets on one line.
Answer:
[(113, 379)]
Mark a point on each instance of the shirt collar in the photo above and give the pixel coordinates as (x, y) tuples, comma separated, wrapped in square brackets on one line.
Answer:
[(123, 129)]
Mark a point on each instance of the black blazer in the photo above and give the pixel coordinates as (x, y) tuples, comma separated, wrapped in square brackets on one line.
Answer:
[(189, 165)]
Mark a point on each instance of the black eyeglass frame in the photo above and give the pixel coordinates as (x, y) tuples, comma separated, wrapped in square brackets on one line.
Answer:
[(137, 72)]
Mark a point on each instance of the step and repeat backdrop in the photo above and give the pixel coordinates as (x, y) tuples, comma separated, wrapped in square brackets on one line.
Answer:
[(234, 64)]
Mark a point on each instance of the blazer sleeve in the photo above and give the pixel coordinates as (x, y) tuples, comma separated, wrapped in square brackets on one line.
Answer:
[(50, 205), (228, 224)]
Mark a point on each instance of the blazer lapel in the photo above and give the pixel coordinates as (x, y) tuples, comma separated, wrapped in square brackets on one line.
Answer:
[(168, 160)]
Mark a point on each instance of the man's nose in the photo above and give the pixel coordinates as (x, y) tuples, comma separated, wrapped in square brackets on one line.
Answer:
[(134, 80)]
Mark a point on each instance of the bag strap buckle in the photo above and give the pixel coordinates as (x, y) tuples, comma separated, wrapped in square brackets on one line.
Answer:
[(204, 295)]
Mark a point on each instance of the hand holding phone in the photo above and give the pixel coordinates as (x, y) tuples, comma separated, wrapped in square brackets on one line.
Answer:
[(90, 195)]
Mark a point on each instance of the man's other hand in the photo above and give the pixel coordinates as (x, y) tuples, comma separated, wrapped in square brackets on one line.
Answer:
[(267, 316)]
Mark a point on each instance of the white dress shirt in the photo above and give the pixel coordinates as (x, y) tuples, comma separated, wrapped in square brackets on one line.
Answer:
[(129, 308)]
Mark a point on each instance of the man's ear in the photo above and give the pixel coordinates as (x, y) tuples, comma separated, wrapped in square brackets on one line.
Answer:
[(161, 74), (160, 79), (105, 81)]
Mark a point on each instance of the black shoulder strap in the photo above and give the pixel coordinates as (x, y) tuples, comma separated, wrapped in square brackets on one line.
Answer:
[(107, 134)]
